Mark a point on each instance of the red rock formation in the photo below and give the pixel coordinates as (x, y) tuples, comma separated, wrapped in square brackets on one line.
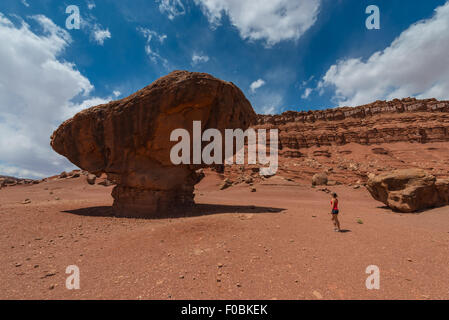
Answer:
[(380, 122), (350, 143), (129, 139), (409, 190)]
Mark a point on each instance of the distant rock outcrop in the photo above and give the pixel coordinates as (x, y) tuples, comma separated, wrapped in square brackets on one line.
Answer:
[(407, 120), (129, 139), (409, 190)]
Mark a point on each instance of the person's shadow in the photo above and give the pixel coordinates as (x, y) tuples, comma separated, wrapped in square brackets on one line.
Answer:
[(193, 211)]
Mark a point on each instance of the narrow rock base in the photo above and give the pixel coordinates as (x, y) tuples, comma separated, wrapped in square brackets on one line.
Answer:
[(144, 203)]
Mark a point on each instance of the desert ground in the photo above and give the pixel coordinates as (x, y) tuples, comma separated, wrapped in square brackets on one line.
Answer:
[(275, 243)]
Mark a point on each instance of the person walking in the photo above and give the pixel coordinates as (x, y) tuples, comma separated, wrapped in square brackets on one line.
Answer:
[(335, 212)]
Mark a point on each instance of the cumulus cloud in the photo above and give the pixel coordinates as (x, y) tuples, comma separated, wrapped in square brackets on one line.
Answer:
[(37, 92), (271, 21), (256, 85), (152, 53), (172, 8), (100, 35), (198, 58), (415, 64), (306, 93)]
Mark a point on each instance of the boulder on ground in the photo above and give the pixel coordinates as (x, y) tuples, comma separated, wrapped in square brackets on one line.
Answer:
[(409, 190), (129, 139), (63, 175), (91, 179), (319, 179)]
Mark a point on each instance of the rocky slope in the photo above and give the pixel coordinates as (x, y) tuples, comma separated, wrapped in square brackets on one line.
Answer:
[(349, 143)]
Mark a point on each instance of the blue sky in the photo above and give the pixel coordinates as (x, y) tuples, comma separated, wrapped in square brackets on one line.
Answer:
[(283, 54)]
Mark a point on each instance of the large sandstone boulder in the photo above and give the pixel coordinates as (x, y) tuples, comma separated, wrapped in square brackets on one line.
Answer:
[(409, 190), (320, 179), (129, 139)]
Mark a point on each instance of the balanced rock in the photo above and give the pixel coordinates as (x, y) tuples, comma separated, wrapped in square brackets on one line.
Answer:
[(409, 190), (129, 139)]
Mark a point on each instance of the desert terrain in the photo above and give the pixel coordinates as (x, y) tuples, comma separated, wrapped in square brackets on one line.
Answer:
[(275, 243)]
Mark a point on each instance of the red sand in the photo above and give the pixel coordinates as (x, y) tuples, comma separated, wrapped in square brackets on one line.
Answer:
[(276, 243)]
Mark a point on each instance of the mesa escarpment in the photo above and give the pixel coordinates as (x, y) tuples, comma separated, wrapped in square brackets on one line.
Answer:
[(349, 143), (130, 139), (408, 120)]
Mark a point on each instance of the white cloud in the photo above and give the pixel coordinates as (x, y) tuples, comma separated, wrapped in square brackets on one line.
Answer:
[(197, 58), (116, 93), (272, 21), (306, 93), (100, 35), (150, 35), (37, 90), (89, 25), (172, 8), (91, 5), (25, 3), (415, 64), (256, 85)]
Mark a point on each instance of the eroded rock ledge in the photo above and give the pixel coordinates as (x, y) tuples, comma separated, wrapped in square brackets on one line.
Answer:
[(407, 120)]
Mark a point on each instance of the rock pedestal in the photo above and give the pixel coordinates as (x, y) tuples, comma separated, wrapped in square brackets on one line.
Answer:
[(129, 139)]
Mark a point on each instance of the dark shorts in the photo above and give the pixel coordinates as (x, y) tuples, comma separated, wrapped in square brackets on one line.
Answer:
[(335, 211)]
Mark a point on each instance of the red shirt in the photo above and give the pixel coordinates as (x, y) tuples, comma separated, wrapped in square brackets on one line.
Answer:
[(335, 204)]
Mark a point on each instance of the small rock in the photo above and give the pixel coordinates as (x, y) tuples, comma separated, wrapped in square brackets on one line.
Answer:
[(91, 179), (226, 184), (317, 294), (63, 175), (26, 201)]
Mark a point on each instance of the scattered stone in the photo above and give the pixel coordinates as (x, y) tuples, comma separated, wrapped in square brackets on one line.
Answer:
[(90, 178), (317, 295), (26, 201), (226, 184), (106, 183), (63, 175), (359, 221)]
